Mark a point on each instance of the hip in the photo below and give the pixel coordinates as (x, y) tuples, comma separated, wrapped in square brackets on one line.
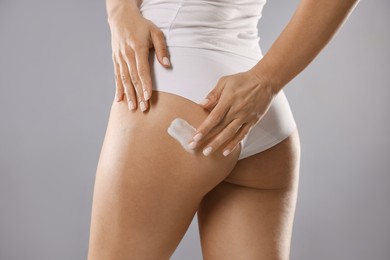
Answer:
[(195, 71)]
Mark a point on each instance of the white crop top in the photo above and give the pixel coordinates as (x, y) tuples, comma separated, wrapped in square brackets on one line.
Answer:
[(225, 25)]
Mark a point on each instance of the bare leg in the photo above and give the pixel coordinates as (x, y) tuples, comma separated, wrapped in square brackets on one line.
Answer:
[(250, 214), (147, 187)]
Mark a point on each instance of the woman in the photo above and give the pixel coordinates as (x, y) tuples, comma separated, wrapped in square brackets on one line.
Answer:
[(238, 166)]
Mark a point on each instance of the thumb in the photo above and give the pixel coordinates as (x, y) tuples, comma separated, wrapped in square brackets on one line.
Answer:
[(160, 47), (212, 98)]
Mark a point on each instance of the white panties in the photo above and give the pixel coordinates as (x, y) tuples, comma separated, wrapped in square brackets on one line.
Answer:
[(193, 74)]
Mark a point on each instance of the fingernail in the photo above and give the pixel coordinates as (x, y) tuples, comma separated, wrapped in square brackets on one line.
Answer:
[(116, 96), (197, 137), (142, 105), (207, 151), (204, 102), (166, 61), (192, 145), (131, 104), (146, 95), (226, 152)]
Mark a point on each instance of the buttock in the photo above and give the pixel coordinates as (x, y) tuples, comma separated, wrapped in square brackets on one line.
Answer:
[(194, 72)]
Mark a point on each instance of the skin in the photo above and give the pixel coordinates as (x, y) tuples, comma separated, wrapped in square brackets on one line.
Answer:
[(144, 199)]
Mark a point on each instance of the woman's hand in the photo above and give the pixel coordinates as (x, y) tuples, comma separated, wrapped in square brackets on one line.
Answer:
[(237, 103), (131, 38)]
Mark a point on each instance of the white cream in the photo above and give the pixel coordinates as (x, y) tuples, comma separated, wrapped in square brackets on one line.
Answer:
[(182, 131)]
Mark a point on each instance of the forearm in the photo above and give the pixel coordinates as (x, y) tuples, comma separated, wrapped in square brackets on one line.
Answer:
[(116, 7), (312, 26)]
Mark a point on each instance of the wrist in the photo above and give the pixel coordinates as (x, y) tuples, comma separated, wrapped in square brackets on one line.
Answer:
[(265, 76), (115, 13)]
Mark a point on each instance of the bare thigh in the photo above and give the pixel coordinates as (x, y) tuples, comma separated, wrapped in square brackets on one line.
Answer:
[(250, 214), (147, 187)]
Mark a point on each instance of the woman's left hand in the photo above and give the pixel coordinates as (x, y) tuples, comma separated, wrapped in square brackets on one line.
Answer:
[(237, 103)]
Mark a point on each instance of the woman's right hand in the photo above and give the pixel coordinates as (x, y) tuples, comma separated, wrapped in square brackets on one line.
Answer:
[(132, 36)]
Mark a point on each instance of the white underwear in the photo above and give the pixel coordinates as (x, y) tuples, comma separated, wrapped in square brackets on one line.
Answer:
[(194, 74)]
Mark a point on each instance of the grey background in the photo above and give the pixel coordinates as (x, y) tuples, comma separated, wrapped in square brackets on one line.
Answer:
[(56, 88)]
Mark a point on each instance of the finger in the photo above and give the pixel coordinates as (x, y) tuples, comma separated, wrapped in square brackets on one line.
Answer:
[(118, 82), (227, 133), (143, 68), (240, 135), (213, 119), (132, 67), (213, 96), (160, 47), (128, 86)]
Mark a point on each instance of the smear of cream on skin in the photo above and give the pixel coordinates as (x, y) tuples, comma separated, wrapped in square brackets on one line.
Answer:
[(182, 132)]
